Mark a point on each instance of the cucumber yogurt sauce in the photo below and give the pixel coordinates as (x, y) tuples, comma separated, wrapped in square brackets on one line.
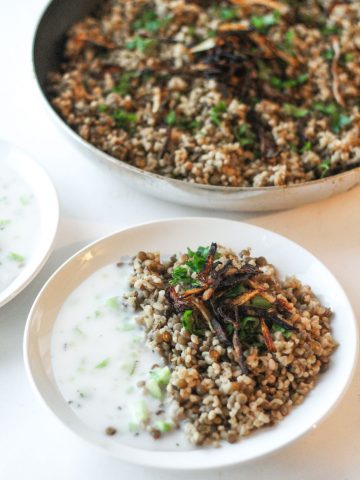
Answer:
[(112, 381), (19, 225)]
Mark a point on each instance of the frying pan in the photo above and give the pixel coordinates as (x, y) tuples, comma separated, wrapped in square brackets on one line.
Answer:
[(58, 16)]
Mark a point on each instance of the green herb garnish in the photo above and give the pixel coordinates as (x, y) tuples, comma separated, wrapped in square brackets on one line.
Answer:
[(286, 333), (306, 147), (236, 291), (102, 107), (244, 135), (282, 84), (124, 85), (249, 330), (189, 323), (197, 259), (170, 118), (144, 45), (324, 168), (227, 13), (217, 112), (338, 120), (180, 275), (264, 22), (186, 320), (289, 38), (349, 57), (330, 30), (295, 111), (182, 122), (260, 302), (124, 119), (150, 21), (328, 54)]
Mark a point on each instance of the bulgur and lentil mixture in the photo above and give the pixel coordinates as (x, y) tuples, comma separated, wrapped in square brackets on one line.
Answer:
[(241, 346), (231, 93)]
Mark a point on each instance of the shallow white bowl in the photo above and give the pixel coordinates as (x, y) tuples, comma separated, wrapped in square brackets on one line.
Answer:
[(175, 235), (45, 195)]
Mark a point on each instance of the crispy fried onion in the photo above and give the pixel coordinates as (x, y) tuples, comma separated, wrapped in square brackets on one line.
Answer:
[(228, 298)]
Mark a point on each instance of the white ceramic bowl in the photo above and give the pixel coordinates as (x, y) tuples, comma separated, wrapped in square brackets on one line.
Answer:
[(45, 195), (58, 16), (172, 236)]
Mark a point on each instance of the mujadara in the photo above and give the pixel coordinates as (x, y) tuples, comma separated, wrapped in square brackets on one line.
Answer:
[(243, 346), (230, 93)]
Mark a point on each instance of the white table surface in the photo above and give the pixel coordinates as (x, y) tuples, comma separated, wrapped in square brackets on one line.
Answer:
[(33, 445)]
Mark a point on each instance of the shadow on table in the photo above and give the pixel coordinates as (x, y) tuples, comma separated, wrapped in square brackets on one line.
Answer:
[(14, 314)]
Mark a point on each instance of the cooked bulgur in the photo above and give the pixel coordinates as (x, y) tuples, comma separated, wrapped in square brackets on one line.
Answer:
[(232, 93), (218, 397)]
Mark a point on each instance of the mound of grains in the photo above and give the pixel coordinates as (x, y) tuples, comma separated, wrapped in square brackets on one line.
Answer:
[(231, 93), (213, 396)]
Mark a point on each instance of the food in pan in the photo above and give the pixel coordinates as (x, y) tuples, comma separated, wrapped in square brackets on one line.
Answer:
[(235, 93)]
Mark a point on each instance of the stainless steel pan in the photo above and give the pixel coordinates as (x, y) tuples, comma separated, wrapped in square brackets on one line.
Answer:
[(48, 41)]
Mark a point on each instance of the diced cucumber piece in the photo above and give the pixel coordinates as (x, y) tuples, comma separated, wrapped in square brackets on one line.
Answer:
[(141, 411), (163, 426), (113, 303), (154, 389), (161, 375)]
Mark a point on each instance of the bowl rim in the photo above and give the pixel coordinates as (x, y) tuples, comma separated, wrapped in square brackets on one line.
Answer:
[(152, 175), (51, 225), (180, 465)]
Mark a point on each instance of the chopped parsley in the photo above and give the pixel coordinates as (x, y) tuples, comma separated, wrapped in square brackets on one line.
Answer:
[(324, 168), (244, 135), (181, 275), (306, 147), (226, 13), (102, 107), (236, 291), (264, 22), (150, 21), (124, 119), (249, 330), (349, 57), (295, 111), (143, 45), (124, 85), (282, 84), (188, 321), (195, 263), (260, 302), (338, 119), (197, 259), (286, 333), (170, 118), (217, 112), (180, 121), (328, 54), (330, 30)]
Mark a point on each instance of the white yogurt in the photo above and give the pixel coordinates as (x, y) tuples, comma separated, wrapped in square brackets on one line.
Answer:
[(98, 357), (19, 225)]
